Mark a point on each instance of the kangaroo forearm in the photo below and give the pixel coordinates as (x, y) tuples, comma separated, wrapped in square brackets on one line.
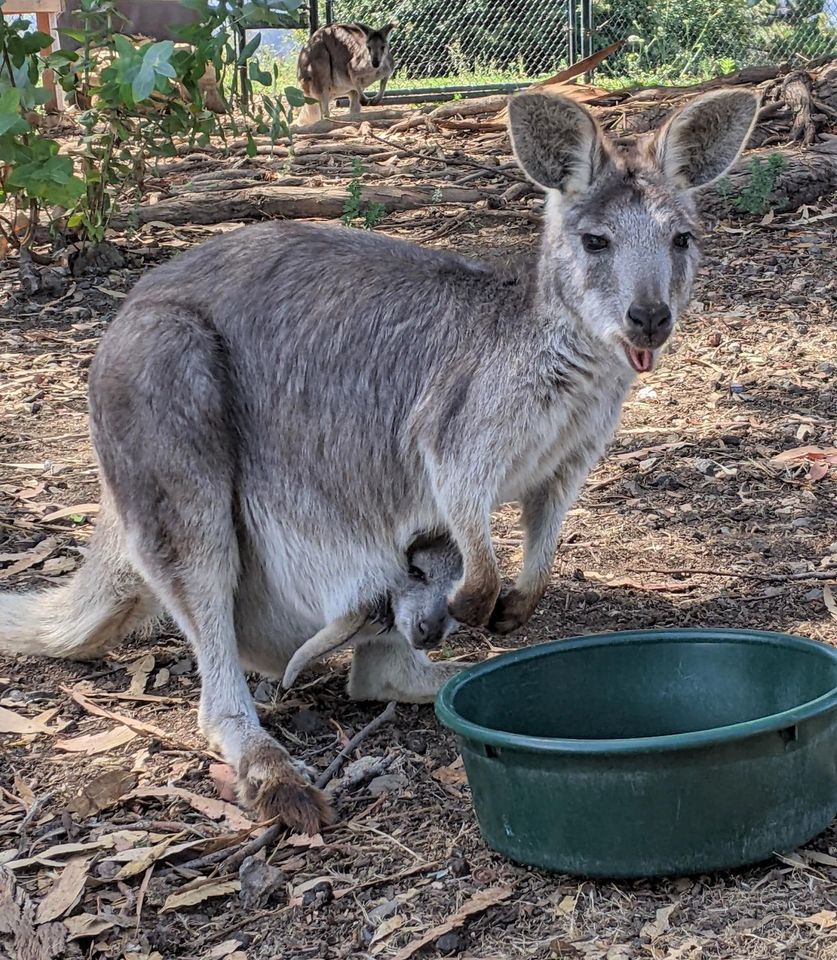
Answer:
[(469, 525), (543, 514), (542, 521)]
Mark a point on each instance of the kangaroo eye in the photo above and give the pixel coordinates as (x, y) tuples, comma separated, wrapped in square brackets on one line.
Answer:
[(416, 573), (593, 243), (681, 240)]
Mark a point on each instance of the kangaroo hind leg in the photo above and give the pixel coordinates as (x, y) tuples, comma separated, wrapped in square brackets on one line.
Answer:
[(164, 428)]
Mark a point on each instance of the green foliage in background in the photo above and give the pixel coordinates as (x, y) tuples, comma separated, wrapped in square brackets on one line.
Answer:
[(757, 196), (133, 108), (354, 213), (669, 39)]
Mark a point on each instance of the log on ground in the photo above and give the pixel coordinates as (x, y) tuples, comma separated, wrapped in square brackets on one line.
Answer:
[(805, 178), (266, 202)]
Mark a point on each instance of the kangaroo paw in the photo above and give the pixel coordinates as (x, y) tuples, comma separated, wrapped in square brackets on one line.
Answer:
[(271, 785)]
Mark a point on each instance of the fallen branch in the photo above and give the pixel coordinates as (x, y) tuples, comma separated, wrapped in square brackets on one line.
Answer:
[(231, 862), (763, 577), (384, 717)]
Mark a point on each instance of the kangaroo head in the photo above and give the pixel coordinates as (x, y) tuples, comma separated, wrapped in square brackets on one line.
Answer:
[(377, 42), (420, 605), (621, 241)]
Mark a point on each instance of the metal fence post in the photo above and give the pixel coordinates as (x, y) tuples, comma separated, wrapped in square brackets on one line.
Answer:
[(587, 34), (572, 46), (313, 15)]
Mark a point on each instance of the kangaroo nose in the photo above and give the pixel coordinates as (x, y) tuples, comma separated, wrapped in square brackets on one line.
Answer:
[(429, 632), (651, 318)]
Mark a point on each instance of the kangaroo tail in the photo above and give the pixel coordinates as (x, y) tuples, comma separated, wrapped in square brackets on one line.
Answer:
[(101, 604)]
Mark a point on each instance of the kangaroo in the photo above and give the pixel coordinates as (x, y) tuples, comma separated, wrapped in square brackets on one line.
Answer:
[(343, 58), (268, 443), (418, 607)]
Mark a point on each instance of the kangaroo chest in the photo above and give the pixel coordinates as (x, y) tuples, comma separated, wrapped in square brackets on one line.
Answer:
[(568, 435)]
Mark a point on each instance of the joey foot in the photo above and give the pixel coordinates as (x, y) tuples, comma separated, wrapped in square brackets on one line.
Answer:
[(511, 611), (270, 783)]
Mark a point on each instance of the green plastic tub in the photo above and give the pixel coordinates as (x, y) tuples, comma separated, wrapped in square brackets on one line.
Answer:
[(650, 753)]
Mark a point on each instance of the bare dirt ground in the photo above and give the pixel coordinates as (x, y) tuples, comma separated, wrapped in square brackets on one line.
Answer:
[(690, 520)]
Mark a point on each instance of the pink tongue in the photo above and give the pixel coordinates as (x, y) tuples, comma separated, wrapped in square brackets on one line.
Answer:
[(640, 359)]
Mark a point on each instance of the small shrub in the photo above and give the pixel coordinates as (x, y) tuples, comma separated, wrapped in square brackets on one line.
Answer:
[(353, 209), (756, 196)]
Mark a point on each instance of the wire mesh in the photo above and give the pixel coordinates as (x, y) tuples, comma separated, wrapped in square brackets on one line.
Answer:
[(461, 46), (675, 41), (470, 43)]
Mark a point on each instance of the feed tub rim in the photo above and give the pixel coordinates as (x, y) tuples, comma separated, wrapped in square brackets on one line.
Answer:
[(710, 736)]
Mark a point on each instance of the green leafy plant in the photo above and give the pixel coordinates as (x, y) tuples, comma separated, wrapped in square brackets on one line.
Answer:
[(756, 196), (138, 100), (32, 171), (353, 209)]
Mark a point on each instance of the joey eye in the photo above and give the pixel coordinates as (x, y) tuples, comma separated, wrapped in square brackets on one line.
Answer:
[(593, 243), (681, 240), (416, 573)]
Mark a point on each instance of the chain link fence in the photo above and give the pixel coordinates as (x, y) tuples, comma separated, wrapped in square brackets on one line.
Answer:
[(457, 46), (472, 46), (672, 41)]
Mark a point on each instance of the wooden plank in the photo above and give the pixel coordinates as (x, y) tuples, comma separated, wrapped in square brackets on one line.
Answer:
[(33, 6), (45, 22)]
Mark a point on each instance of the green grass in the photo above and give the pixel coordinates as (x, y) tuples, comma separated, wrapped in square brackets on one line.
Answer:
[(284, 71)]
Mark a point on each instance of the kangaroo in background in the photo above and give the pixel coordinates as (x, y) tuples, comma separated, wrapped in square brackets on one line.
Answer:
[(417, 607), (268, 445), (340, 59)]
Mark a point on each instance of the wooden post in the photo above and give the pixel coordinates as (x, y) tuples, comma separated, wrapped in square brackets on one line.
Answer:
[(46, 20)]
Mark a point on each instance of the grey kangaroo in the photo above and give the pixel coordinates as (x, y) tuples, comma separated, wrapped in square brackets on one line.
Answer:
[(340, 59), (268, 443), (417, 607)]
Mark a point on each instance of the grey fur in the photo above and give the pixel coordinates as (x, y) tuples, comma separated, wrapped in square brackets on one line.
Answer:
[(269, 442), (340, 59)]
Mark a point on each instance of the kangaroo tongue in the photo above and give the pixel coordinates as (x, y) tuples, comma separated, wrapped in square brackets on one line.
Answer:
[(640, 360)]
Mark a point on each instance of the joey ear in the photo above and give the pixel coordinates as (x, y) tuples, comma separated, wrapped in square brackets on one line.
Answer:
[(703, 140), (426, 540), (556, 141)]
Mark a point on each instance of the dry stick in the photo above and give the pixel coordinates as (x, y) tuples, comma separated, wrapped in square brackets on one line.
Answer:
[(233, 861), (392, 878), (386, 715), (461, 161), (209, 859), (766, 577)]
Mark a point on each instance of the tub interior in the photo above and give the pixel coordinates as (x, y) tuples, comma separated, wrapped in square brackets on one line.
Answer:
[(644, 689)]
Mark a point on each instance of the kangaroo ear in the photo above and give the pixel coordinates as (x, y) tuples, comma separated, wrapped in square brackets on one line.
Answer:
[(703, 140), (387, 30), (557, 143), (367, 30)]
